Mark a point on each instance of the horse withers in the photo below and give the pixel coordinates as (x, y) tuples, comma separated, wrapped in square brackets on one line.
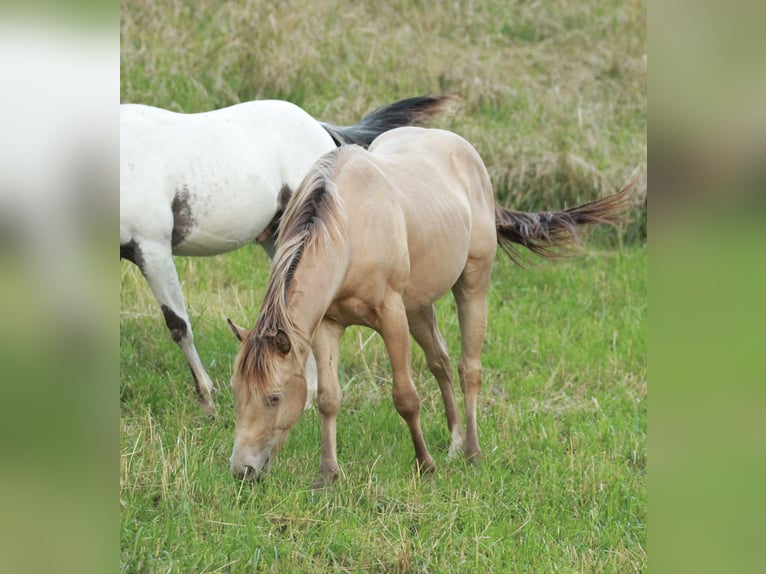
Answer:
[(375, 238), (208, 183)]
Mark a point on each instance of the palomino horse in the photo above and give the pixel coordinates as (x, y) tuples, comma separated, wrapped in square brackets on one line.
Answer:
[(375, 238), (208, 183)]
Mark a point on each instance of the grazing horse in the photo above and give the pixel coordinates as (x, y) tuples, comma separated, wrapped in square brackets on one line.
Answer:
[(207, 183), (375, 238)]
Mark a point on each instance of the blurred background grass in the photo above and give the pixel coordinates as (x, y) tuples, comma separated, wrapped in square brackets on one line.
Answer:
[(707, 280)]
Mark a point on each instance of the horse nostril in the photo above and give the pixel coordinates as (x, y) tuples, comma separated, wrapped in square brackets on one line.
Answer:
[(242, 472), (250, 473)]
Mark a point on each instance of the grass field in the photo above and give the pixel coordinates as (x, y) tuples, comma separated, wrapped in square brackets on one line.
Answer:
[(562, 422), (553, 95)]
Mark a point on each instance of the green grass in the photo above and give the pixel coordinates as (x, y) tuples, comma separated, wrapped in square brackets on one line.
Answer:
[(562, 423)]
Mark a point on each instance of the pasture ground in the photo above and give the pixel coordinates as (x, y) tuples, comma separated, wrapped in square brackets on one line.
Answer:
[(562, 424)]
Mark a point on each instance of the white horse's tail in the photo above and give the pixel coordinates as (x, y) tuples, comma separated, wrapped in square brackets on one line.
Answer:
[(408, 112)]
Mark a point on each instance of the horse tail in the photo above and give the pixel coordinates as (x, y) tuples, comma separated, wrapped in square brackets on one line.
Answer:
[(408, 112), (551, 234)]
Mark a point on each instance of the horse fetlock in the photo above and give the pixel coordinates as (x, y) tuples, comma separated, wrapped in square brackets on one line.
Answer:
[(458, 440), (204, 386), (205, 394)]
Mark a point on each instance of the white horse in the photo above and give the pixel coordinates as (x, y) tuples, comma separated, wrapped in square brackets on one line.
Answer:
[(208, 183)]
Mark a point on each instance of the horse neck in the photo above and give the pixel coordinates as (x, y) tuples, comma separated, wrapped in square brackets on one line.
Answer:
[(317, 280)]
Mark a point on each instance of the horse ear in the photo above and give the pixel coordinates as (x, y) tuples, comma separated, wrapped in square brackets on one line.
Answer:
[(282, 342), (239, 332)]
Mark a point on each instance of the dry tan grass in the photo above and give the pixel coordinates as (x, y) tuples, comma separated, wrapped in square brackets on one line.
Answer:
[(553, 94)]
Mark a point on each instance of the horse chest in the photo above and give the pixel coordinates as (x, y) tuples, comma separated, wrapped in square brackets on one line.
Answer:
[(353, 311)]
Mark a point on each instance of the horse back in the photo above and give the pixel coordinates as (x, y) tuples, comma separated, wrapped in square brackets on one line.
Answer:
[(419, 206), (440, 174), (222, 170), (277, 138)]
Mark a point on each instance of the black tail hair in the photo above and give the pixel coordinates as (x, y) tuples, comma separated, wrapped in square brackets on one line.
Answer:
[(550, 234), (408, 112)]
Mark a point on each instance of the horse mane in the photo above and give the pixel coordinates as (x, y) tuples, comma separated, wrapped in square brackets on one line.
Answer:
[(312, 219)]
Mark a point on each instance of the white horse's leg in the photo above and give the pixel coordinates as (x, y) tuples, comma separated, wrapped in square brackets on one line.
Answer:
[(310, 373), (425, 330), (156, 263)]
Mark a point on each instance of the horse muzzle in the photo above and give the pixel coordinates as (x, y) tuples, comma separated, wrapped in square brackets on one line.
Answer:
[(250, 470)]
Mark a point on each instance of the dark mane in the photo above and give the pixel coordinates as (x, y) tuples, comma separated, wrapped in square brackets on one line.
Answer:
[(313, 217)]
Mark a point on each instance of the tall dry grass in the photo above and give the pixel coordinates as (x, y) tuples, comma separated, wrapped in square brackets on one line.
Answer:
[(552, 93)]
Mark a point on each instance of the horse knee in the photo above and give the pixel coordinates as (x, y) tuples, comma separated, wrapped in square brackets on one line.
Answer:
[(328, 403), (470, 374), (177, 326), (407, 403)]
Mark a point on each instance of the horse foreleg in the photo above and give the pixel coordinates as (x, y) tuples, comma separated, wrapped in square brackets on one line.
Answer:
[(156, 264), (425, 330), (394, 328), (326, 348), (471, 297)]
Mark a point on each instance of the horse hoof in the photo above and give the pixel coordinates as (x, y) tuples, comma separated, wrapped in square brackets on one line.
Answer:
[(473, 458), (209, 407), (426, 468), (322, 483)]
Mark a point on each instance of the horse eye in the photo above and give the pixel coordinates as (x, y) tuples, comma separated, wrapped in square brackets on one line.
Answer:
[(272, 400)]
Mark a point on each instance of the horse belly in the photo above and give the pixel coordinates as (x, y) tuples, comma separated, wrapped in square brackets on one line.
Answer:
[(223, 201), (431, 277), (218, 180), (439, 242), (224, 217)]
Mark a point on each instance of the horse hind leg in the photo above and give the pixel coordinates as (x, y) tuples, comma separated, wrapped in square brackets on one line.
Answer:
[(156, 264), (425, 330), (395, 331), (470, 293)]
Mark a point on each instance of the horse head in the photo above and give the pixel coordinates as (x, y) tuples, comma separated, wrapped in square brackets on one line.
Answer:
[(270, 391)]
